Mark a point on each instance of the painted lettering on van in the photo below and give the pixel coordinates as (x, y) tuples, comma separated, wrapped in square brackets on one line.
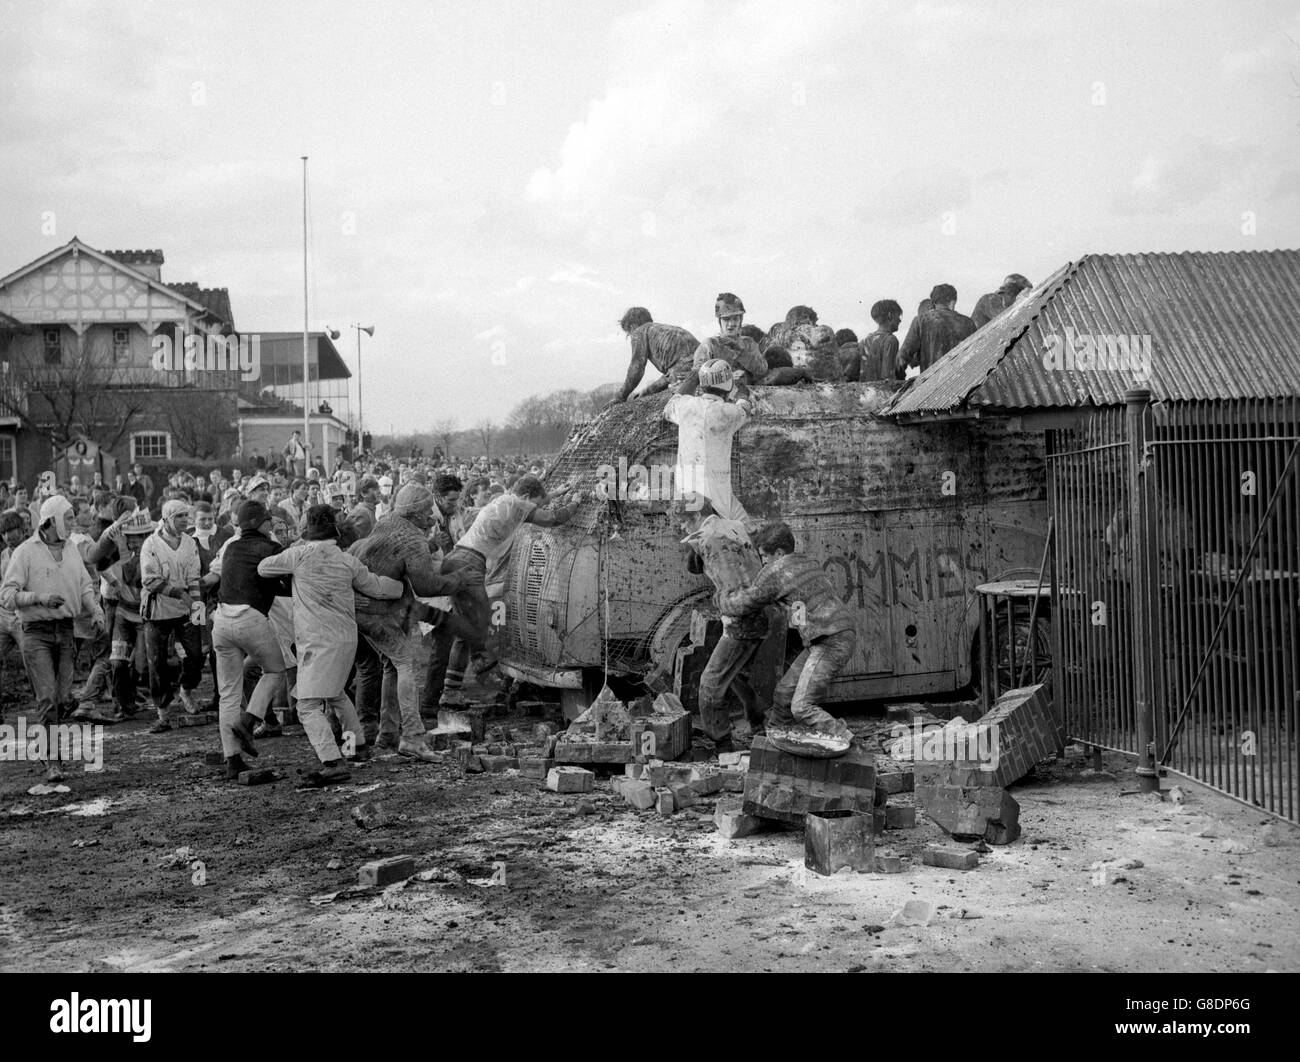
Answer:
[(919, 575)]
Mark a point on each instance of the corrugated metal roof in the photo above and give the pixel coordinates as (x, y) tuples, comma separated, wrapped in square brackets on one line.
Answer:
[(1218, 325)]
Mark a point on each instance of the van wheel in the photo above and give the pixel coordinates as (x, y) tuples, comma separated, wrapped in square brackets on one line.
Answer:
[(1042, 642)]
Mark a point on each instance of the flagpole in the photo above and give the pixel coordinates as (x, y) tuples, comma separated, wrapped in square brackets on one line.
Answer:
[(306, 360)]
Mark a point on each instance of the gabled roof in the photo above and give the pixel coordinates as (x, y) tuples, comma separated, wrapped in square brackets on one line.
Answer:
[(1219, 325), (82, 248)]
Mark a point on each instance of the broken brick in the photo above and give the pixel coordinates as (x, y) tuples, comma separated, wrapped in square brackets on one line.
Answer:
[(889, 864), (386, 871), (683, 796), (832, 842), (934, 855), (641, 795), (785, 787), (569, 780), (965, 811), (535, 766), (732, 822)]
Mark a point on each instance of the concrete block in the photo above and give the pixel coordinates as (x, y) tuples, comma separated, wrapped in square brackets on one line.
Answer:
[(896, 781), (664, 801), (683, 796), (732, 822), (641, 795), (569, 780), (965, 811), (386, 871), (900, 818), (832, 842), (934, 855), (535, 766), (705, 783), (889, 864), (498, 764), (733, 781), (258, 777)]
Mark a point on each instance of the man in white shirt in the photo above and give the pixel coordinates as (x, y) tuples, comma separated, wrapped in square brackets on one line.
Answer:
[(169, 573), (706, 423)]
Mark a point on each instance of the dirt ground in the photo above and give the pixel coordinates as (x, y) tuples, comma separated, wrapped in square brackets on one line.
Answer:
[(592, 884)]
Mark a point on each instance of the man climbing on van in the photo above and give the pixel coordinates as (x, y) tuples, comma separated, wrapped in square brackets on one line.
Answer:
[(797, 723), (667, 347), (705, 426)]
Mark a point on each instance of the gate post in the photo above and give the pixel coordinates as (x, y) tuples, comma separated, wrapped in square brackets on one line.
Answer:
[(1145, 576)]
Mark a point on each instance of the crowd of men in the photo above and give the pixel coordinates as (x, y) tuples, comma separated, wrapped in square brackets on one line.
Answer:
[(289, 590), (295, 589)]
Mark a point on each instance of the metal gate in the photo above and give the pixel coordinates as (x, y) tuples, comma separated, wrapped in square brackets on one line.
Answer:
[(1176, 594)]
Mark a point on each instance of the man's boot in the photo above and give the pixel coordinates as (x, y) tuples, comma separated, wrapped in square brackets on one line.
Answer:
[(235, 766)]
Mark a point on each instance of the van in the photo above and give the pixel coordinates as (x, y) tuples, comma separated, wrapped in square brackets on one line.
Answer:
[(906, 520)]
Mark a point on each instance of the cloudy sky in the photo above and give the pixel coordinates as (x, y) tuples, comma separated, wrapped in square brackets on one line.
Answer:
[(492, 183)]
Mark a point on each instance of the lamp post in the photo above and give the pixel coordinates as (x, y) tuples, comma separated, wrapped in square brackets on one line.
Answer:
[(361, 427)]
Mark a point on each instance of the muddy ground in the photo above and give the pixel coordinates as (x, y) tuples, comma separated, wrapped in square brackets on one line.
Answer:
[(591, 884)]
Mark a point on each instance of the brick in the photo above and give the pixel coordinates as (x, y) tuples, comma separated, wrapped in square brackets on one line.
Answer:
[(386, 871), (683, 796), (664, 801), (569, 780), (498, 764), (934, 855), (535, 766), (733, 781), (832, 843), (258, 777), (900, 818), (706, 783), (965, 811), (784, 787), (572, 752), (662, 774), (896, 781), (730, 759), (641, 795), (370, 816), (732, 822), (889, 864), (672, 733)]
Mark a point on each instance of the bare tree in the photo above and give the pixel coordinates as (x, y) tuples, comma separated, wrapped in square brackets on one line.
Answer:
[(200, 423), (484, 431)]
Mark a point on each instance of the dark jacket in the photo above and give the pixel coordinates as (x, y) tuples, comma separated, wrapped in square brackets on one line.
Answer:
[(240, 583), (798, 583), (398, 549)]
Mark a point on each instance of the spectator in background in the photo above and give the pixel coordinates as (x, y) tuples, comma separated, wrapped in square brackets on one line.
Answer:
[(146, 482)]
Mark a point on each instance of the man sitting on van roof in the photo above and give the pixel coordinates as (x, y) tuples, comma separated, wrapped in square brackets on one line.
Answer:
[(729, 345), (667, 347), (880, 349), (936, 331), (992, 304)]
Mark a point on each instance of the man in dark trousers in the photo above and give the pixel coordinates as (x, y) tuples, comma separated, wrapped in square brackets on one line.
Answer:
[(800, 585), (936, 331)]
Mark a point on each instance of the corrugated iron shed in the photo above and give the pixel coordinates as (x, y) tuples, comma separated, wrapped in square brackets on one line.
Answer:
[(1219, 325)]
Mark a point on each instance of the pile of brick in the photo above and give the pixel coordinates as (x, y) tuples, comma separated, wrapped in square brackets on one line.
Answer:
[(531, 751), (670, 787), (966, 795), (612, 732)]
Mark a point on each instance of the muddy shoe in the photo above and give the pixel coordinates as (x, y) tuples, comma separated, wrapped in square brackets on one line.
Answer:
[(187, 702), (267, 730), (805, 741), (160, 727), (85, 712), (417, 751), (235, 766), (387, 741), (240, 731), (362, 755), (329, 774)]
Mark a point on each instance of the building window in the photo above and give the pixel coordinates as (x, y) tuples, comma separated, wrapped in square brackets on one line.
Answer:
[(53, 346), (121, 344), (150, 444), (8, 459)]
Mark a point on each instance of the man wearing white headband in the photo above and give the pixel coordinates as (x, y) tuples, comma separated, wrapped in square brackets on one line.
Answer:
[(46, 582)]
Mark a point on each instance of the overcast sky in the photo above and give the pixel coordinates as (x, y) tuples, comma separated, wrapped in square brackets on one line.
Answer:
[(492, 183)]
